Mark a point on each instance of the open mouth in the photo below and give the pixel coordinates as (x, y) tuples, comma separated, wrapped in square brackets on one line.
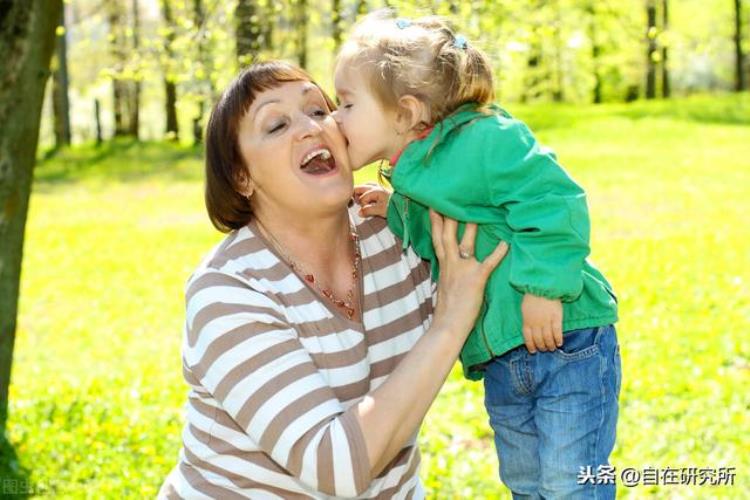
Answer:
[(318, 162)]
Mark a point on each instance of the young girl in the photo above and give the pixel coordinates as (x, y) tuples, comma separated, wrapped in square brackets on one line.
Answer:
[(415, 93)]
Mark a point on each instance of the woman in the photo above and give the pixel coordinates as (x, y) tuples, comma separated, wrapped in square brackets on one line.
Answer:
[(311, 346)]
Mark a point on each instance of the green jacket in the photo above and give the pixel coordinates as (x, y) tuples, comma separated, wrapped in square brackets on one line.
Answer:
[(489, 169)]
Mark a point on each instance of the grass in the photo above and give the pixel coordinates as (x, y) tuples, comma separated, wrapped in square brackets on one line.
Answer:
[(114, 232)]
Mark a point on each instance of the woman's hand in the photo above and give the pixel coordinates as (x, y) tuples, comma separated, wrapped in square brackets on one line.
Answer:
[(390, 415), (462, 276), (372, 198)]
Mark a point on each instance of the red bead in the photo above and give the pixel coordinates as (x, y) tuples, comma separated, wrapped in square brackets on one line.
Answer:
[(310, 278)]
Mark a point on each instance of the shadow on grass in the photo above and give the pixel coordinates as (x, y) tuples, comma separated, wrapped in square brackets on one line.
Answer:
[(120, 160), (14, 479)]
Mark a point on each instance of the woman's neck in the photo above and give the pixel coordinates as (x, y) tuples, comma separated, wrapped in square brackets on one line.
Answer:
[(310, 241)]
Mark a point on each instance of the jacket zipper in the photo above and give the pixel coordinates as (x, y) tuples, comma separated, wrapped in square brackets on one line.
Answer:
[(481, 328)]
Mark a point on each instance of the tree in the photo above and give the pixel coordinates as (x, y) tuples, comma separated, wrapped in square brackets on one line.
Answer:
[(27, 39), (60, 102), (199, 19), (135, 94), (170, 87), (558, 94), (117, 46), (301, 23), (651, 53), (248, 31), (665, 86), (739, 55), (596, 50), (336, 30)]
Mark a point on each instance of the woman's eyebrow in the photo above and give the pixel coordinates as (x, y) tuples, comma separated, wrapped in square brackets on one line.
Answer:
[(270, 101)]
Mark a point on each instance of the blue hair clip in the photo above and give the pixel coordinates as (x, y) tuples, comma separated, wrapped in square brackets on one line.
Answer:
[(460, 42), (403, 23)]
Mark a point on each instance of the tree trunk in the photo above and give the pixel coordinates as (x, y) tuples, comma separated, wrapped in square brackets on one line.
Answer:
[(558, 95), (170, 88), (98, 121), (116, 47), (301, 33), (651, 52), (739, 71), (135, 96), (27, 29), (60, 102), (199, 17), (596, 51), (336, 30), (248, 31), (666, 88)]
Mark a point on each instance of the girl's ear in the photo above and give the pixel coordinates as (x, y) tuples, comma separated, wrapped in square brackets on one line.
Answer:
[(413, 113)]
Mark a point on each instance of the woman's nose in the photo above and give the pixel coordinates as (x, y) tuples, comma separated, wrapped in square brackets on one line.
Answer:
[(308, 127)]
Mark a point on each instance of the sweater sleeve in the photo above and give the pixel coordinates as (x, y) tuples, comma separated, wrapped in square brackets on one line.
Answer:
[(243, 351), (545, 210)]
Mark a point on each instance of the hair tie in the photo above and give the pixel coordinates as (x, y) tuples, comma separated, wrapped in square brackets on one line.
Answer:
[(460, 42), (403, 23)]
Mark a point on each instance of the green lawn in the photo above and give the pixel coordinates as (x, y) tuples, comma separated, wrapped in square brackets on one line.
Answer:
[(97, 394)]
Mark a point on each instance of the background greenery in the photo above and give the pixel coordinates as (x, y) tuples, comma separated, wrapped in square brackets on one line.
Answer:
[(114, 232)]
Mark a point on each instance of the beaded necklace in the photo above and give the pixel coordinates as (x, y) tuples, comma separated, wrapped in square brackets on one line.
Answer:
[(346, 304)]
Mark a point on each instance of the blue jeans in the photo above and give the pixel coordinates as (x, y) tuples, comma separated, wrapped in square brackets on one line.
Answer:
[(555, 412)]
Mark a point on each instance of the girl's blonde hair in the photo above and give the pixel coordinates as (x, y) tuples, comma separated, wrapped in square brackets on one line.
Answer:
[(422, 57)]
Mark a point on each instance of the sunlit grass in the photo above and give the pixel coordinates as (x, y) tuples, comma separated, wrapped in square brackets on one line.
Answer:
[(112, 236)]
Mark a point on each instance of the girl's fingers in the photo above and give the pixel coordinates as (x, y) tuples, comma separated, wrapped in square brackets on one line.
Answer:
[(538, 338), (557, 332), (369, 197), (549, 339), (528, 339), (437, 234)]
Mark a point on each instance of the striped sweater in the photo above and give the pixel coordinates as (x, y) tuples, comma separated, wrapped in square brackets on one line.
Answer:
[(275, 373)]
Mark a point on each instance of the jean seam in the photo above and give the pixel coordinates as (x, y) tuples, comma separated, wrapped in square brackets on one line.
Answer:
[(586, 352), (519, 383), (602, 390)]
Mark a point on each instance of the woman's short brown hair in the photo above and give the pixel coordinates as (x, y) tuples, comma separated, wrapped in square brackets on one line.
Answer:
[(226, 171)]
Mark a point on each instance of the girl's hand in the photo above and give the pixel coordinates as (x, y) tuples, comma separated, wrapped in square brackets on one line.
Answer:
[(372, 198), (542, 323), (462, 276)]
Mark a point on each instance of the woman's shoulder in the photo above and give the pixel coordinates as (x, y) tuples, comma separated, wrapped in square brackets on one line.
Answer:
[(234, 261)]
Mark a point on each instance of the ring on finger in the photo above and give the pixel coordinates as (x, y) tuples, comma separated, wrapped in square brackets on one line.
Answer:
[(464, 254)]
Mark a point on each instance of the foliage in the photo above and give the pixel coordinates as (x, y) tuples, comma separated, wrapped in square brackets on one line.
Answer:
[(113, 233), (540, 49)]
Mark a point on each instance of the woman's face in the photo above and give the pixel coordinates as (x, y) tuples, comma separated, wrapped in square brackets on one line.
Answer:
[(294, 152)]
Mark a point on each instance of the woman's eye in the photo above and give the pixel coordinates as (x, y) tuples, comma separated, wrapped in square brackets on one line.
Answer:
[(276, 127), (347, 106)]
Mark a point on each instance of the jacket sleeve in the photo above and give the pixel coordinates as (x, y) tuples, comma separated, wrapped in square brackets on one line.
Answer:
[(545, 210), (242, 350)]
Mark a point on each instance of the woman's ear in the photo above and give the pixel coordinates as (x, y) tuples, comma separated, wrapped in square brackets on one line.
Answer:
[(413, 113), (245, 184)]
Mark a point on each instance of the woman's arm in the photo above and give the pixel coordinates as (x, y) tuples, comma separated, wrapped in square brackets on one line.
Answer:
[(392, 413), (242, 350)]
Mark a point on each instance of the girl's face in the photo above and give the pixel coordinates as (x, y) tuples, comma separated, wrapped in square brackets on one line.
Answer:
[(294, 152), (370, 129)]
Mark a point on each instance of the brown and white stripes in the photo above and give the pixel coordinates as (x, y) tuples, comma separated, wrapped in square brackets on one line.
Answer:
[(275, 373)]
